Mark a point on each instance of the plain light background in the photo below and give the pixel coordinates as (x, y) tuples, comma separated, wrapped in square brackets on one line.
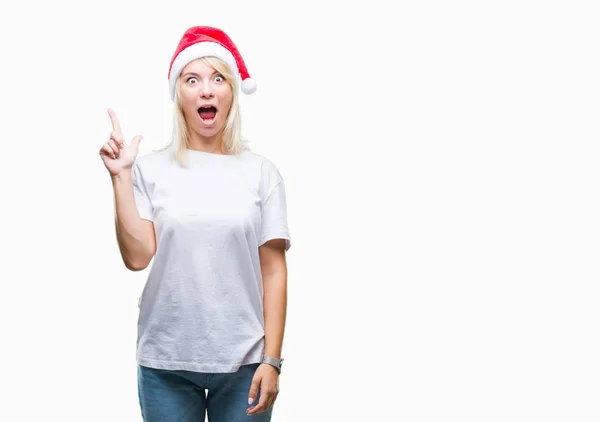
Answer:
[(440, 160)]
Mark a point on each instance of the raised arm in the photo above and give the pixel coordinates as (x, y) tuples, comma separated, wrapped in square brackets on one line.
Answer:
[(135, 236)]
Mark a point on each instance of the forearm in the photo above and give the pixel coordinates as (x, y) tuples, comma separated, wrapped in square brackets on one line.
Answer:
[(133, 238), (275, 303)]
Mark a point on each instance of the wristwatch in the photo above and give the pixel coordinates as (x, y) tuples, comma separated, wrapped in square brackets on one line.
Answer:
[(273, 362)]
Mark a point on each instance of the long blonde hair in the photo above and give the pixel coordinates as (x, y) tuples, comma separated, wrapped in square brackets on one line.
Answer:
[(231, 137)]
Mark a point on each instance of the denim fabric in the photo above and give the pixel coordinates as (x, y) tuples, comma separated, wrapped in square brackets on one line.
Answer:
[(186, 396)]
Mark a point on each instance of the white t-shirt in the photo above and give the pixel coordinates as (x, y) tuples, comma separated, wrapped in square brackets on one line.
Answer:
[(201, 308)]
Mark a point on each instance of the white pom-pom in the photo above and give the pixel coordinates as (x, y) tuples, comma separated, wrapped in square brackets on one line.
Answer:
[(248, 86)]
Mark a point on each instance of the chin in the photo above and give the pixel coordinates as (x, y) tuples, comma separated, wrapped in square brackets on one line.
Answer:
[(207, 132)]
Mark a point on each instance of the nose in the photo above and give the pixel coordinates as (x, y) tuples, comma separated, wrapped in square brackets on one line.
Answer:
[(206, 91)]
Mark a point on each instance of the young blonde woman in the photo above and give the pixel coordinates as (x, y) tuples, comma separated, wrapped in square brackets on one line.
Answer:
[(211, 216)]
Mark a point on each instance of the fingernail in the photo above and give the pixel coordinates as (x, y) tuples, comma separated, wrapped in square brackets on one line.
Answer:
[(250, 400)]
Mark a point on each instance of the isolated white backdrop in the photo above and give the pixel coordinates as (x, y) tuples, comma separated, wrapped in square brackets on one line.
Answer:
[(441, 168)]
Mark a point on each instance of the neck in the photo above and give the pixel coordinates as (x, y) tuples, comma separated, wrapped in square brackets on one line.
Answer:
[(211, 144)]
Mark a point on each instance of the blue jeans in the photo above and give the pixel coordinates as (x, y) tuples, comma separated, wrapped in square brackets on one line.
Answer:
[(179, 396)]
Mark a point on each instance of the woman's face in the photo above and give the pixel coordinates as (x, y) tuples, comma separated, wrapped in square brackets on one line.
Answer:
[(206, 98)]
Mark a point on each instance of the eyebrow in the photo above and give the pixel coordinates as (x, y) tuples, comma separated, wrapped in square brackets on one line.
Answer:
[(195, 74)]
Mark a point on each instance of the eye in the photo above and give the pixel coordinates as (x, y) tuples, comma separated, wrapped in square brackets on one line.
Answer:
[(191, 78), (219, 78)]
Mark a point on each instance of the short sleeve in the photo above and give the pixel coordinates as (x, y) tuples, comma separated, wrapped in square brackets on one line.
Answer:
[(140, 193), (274, 206)]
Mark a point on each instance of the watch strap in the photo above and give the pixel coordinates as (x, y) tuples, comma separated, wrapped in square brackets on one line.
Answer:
[(277, 363)]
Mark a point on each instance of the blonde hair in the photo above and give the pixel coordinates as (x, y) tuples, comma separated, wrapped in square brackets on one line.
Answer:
[(231, 138)]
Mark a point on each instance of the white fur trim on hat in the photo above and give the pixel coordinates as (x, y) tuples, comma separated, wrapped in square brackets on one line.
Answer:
[(195, 51)]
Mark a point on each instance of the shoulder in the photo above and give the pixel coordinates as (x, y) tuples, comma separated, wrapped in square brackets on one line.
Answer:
[(152, 160), (268, 173), (266, 166), (148, 168)]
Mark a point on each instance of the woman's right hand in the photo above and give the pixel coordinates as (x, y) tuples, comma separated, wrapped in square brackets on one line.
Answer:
[(117, 155)]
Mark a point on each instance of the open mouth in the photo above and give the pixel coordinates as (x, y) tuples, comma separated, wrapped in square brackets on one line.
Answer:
[(207, 113)]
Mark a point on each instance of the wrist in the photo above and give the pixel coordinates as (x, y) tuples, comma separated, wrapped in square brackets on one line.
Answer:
[(123, 175), (272, 361)]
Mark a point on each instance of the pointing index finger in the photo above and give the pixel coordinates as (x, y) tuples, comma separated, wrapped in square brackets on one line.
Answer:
[(115, 123)]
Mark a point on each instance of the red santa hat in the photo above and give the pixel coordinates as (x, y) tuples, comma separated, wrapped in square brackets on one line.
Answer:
[(203, 41)]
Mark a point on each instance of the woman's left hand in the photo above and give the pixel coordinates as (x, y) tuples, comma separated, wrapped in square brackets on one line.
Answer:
[(266, 378)]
